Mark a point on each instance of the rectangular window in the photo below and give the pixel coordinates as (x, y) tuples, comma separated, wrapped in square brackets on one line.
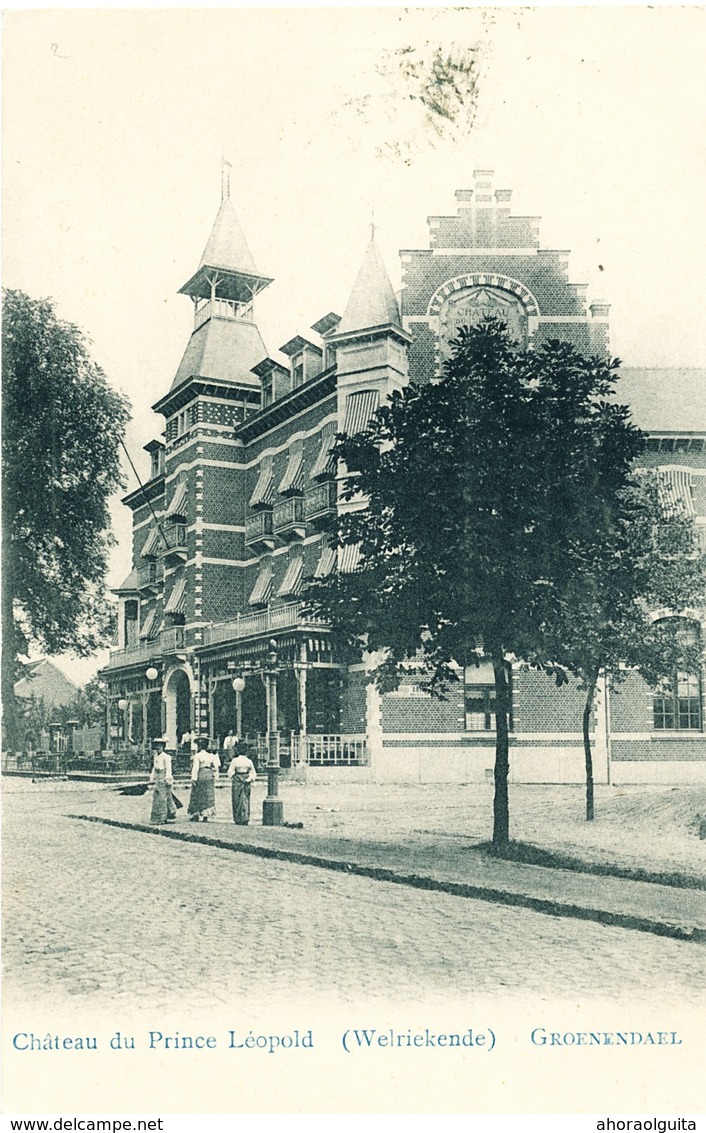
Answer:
[(479, 697), (480, 708), (676, 701)]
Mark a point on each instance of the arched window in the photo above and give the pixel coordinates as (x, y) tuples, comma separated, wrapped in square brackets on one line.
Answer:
[(677, 703)]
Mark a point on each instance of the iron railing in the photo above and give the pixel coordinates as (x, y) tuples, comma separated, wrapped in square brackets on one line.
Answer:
[(288, 513), (172, 639), (288, 616), (329, 750), (258, 526), (320, 500), (135, 654)]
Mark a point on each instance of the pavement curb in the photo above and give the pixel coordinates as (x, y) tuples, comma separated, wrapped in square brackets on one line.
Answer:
[(548, 906)]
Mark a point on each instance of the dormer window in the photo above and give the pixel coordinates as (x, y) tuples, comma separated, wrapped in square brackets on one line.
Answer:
[(298, 371), (328, 325), (329, 355), (305, 360)]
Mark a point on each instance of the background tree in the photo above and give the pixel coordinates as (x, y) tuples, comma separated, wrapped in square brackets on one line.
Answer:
[(468, 495), (62, 425), (640, 557)]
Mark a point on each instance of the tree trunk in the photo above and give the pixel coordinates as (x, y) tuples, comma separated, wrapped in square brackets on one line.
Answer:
[(501, 804), (588, 757), (10, 719)]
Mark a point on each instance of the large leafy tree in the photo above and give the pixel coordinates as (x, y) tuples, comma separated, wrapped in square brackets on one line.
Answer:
[(467, 497), (640, 557), (62, 425)]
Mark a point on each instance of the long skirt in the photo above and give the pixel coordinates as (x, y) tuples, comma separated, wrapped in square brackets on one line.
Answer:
[(202, 803), (240, 796), (163, 808)]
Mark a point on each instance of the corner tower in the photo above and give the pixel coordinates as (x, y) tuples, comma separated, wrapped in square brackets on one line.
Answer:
[(213, 391), (370, 344)]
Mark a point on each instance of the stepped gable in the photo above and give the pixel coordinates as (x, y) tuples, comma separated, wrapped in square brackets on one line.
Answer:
[(486, 261)]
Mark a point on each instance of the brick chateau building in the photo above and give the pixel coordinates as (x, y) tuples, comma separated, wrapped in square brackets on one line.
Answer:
[(228, 527)]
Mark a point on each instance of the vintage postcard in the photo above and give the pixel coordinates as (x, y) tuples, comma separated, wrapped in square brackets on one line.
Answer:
[(240, 875)]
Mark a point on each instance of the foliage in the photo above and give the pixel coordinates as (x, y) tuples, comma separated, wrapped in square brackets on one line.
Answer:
[(468, 497), (62, 426), (639, 558)]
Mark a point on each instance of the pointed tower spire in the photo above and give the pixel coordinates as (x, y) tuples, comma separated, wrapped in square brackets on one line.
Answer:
[(370, 344), (225, 178), (227, 269), (372, 301), (225, 344)]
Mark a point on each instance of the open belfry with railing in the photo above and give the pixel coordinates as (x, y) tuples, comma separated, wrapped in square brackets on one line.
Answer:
[(233, 520)]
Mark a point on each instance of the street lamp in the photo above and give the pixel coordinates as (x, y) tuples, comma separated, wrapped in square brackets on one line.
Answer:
[(151, 673), (122, 705), (272, 807), (238, 687)]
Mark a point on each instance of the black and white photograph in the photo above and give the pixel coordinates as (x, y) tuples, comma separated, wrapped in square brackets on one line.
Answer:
[(354, 562)]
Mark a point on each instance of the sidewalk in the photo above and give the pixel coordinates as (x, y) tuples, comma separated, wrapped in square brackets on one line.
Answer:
[(372, 832)]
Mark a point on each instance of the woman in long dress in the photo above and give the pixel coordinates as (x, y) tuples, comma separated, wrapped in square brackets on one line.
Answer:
[(204, 773), (163, 808), (242, 774)]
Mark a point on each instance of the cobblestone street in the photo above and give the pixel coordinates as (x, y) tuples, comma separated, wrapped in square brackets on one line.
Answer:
[(104, 916)]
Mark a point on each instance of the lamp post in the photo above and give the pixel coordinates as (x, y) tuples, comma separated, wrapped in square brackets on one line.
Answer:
[(238, 686), (272, 807), (151, 675), (122, 705)]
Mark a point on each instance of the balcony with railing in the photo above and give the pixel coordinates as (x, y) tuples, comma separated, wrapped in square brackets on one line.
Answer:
[(134, 655), (320, 501), (221, 309), (258, 530), (150, 576), (288, 518), (173, 545), (267, 621), (172, 640)]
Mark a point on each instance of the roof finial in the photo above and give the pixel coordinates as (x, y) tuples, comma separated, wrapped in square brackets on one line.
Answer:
[(372, 224), (225, 178)]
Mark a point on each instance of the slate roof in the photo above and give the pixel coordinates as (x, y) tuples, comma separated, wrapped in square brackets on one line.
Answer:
[(44, 680), (227, 247), (372, 301), (663, 400), (222, 350)]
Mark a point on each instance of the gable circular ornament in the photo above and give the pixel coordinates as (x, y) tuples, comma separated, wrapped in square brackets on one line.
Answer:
[(468, 306)]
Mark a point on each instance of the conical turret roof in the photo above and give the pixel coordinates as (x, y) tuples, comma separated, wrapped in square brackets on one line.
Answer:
[(372, 301), (227, 247), (226, 262)]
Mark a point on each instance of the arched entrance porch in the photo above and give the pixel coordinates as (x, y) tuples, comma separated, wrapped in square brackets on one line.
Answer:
[(178, 686)]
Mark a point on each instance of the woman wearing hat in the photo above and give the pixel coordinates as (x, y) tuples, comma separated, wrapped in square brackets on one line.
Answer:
[(204, 772), (163, 808)]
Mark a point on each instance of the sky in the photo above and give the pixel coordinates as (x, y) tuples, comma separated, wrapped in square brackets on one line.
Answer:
[(115, 123)]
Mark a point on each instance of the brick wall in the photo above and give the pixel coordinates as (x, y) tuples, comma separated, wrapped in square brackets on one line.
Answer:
[(631, 705), (353, 702), (410, 710), (539, 706), (222, 596)]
